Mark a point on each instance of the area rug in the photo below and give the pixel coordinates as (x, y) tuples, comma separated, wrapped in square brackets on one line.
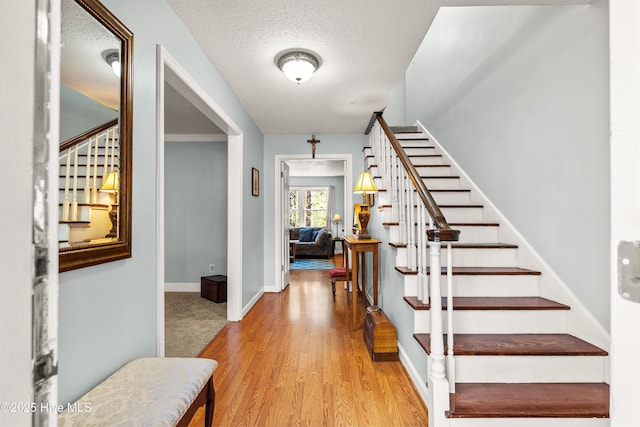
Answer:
[(190, 322), (311, 264)]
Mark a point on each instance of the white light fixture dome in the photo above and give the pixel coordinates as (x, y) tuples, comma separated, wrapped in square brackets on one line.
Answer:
[(112, 57), (298, 66)]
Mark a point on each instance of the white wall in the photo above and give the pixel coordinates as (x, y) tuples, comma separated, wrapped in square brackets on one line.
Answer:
[(519, 97), (79, 113), (625, 204), (108, 312), (17, 40), (195, 210)]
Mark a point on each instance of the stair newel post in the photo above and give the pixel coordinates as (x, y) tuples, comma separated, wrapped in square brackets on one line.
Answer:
[(94, 184), (411, 226), (87, 174), (451, 364), (437, 381), (65, 203), (74, 200)]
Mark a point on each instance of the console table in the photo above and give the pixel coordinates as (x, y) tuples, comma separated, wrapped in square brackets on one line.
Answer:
[(360, 247)]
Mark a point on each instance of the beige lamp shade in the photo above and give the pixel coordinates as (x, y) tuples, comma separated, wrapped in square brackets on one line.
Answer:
[(337, 217), (111, 183), (365, 184)]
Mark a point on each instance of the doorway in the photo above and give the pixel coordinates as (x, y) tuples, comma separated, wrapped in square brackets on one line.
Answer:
[(346, 161), (170, 72)]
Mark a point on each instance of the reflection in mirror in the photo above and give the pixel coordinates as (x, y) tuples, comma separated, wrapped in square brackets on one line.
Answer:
[(95, 135)]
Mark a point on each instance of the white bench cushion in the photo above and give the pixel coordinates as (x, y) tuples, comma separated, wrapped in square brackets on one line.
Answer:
[(150, 391)]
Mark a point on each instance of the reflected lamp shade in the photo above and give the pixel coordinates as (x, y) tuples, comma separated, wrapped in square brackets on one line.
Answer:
[(111, 183)]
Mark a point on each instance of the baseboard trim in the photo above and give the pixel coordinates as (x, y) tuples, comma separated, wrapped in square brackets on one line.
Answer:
[(418, 382), (181, 287), (251, 303)]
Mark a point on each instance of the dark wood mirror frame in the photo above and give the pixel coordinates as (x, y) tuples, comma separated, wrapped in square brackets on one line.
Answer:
[(71, 259)]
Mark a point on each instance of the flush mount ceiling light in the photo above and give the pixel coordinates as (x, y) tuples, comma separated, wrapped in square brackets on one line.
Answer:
[(298, 66), (112, 57)]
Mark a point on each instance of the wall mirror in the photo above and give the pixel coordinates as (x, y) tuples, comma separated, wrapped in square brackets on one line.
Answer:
[(95, 136)]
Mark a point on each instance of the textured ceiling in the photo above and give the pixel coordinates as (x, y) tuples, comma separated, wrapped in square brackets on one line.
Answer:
[(364, 45)]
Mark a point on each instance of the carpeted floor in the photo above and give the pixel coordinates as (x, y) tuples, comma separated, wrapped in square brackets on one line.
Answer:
[(190, 322), (311, 264)]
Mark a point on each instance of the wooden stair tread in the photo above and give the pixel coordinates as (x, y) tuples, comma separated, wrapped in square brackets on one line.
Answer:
[(515, 345), (492, 303), (478, 271), (549, 400)]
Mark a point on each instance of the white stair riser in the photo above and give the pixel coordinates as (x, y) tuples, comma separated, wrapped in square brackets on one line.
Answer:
[(498, 321), (412, 151), (462, 214), (417, 141), (481, 286), (478, 234), (82, 170), (467, 257), (442, 183), (493, 286), (84, 213), (401, 257), (545, 369), (410, 135), (426, 160), (451, 198), (433, 171)]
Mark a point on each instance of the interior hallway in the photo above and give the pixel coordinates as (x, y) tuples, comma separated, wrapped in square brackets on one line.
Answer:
[(294, 360)]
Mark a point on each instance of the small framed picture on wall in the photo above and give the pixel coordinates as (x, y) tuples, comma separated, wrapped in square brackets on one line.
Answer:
[(255, 182)]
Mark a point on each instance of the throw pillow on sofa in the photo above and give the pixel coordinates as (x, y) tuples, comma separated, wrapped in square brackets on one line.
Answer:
[(306, 235), (323, 235)]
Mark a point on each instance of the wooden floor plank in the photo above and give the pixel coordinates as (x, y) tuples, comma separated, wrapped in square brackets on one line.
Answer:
[(294, 360)]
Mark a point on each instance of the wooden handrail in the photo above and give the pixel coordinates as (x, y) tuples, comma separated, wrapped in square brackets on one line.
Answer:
[(442, 232), (76, 139)]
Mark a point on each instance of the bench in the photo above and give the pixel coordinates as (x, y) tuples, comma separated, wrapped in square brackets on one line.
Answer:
[(152, 391)]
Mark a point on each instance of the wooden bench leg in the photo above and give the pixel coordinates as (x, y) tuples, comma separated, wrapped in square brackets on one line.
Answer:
[(209, 406)]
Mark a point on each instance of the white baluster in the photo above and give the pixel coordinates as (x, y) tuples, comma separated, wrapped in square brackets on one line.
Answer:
[(74, 201), (87, 174), (65, 204), (113, 148), (423, 233), (419, 253), (451, 364), (411, 229), (94, 184)]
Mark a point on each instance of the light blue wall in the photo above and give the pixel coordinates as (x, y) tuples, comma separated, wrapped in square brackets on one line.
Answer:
[(108, 312), (195, 210), (519, 96), (296, 144), (79, 113)]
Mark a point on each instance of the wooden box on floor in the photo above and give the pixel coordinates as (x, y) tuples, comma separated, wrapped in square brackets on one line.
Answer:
[(380, 336), (214, 288)]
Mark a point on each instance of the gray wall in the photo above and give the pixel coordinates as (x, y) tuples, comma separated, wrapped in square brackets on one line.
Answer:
[(108, 312), (519, 97), (195, 210), (79, 113)]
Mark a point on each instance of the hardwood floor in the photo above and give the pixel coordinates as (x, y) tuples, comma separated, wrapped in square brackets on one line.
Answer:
[(294, 360)]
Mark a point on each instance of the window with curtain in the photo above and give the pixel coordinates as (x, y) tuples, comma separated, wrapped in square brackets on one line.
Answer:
[(308, 206)]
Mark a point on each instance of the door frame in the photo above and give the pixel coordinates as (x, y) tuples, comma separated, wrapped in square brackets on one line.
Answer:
[(348, 201), (194, 93)]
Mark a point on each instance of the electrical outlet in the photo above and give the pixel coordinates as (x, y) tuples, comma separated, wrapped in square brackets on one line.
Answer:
[(212, 268)]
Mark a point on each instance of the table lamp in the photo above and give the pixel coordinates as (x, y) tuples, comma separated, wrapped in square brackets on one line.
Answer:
[(364, 186)]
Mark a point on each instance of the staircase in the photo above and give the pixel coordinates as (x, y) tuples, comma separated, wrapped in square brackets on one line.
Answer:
[(88, 185), (523, 351)]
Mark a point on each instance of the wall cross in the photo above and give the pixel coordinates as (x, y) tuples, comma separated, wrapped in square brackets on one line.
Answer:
[(313, 141)]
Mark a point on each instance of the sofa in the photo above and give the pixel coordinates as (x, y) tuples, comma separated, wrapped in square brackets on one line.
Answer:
[(311, 242)]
